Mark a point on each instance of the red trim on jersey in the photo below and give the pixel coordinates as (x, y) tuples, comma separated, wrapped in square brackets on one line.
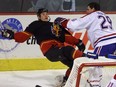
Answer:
[(77, 54), (64, 23), (104, 37), (71, 40), (47, 44), (21, 36)]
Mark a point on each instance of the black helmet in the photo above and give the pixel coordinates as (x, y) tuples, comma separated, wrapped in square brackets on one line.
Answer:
[(41, 10)]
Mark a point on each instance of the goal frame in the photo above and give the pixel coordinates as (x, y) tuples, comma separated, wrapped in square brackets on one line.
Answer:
[(91, 65), (81, 70)]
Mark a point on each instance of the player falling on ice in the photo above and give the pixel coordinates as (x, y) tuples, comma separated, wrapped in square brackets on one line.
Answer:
[(51, 40)]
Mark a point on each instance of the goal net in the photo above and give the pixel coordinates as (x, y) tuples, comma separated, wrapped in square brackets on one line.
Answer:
[(91, 73)]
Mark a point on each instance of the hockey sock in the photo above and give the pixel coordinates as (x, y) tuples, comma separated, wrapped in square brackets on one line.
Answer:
[(67, 74)]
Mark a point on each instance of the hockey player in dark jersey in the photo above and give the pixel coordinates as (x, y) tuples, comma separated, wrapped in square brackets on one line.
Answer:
[(51, 42)]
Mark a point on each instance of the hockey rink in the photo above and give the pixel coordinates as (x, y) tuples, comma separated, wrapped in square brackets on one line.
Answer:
[(44, 78)]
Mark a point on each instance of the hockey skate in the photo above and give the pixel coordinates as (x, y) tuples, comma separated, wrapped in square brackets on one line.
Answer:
[(60, 81)]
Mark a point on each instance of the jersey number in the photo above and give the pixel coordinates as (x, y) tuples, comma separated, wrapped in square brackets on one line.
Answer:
[(104, 20)]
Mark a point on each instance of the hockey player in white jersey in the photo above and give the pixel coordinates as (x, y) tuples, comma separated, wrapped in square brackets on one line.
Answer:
[(99, 28)]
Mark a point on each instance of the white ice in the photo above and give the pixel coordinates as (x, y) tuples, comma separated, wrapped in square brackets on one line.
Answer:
[(44, 78)]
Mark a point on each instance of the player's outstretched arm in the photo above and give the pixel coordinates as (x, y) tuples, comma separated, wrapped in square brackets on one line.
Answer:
[(22, 36), (18, 36)]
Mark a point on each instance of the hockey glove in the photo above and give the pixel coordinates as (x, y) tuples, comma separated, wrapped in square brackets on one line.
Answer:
[(6, 33), (81, 45), (91, 55), (59, 20)]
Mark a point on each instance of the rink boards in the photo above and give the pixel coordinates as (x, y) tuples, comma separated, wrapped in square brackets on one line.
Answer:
[(27, 55), (29, 64)]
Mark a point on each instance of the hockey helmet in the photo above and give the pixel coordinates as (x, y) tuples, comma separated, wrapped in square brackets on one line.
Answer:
[(41, 10)]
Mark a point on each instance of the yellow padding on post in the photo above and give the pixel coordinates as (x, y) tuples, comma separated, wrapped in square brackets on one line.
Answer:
[(29, 64)]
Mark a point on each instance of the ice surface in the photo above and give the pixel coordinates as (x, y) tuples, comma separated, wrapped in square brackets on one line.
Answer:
[(44, 78)]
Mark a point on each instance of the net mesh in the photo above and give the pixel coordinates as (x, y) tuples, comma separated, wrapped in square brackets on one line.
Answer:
[(85, 69)]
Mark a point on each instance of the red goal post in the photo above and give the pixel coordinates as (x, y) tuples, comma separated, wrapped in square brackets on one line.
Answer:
[(78, 76)]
